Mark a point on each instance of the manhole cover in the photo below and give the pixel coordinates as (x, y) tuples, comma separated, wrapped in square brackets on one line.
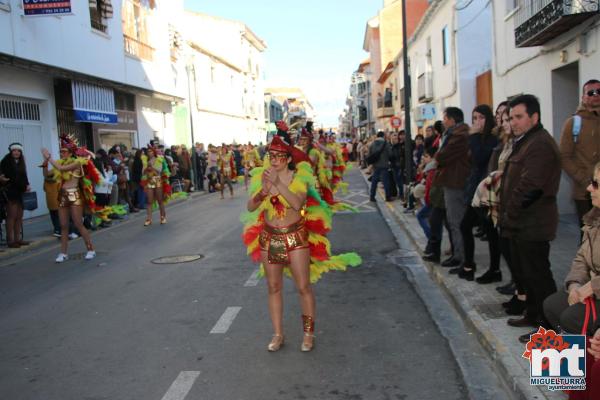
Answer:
[(177, 259)]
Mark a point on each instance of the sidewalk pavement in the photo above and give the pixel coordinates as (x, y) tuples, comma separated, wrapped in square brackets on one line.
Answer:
[(480, 305), (38, 230)]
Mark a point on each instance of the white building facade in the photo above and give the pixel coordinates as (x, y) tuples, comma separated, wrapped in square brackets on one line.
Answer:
[(549, 49), (226, 80), (449, 50), (104, 73)]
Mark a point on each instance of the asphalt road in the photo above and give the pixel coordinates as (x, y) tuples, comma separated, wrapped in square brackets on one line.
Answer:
[(121, 327)]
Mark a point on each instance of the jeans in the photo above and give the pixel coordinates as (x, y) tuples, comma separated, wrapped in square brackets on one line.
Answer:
[(423, 218), (399, 181), (141, 198), (380, 174), (436, 230)]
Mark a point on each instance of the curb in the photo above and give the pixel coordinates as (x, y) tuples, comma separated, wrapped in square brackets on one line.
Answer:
[(503, 362), (37, 244)]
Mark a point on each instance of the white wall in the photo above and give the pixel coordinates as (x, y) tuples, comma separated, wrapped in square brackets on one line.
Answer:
[(454, 84), (70, 43), (37, 88), (226, 80), (513, 69)]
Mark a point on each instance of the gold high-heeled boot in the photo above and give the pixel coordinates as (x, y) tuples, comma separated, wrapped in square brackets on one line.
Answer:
[(308, 340), (276, 343)]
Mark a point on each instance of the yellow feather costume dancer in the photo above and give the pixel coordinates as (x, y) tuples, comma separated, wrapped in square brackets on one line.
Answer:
[(317, 214)]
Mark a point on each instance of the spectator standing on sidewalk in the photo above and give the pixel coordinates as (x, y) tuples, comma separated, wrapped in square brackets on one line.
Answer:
[(452, 173), (379, 157), (398, 160), (580, 145), (528, 207), (16, 183), (428, 174), (481, 145), (516, 305), (200, 165)]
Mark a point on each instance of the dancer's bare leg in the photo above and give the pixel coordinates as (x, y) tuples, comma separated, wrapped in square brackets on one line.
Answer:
[(274, 275)]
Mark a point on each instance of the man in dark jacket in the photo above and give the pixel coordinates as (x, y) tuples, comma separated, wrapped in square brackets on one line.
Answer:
[(452, 172), (528, 209), (398, 160), (381, 165)]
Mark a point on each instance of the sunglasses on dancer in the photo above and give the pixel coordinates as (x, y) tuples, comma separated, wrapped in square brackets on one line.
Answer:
[(594, 184), (278, 156), (593, 92)]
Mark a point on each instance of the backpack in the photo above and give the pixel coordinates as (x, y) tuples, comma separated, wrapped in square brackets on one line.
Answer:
[(372, 158), (577, 122)]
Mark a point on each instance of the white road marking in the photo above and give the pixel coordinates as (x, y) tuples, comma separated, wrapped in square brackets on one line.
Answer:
[(223, 324), (182, 385), (253, 280)]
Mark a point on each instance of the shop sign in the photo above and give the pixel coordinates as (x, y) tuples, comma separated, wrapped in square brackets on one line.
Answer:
[(93, 103), (46, 7)]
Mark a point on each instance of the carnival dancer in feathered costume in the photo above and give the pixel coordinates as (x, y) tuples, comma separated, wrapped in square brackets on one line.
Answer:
[(226, 164), (251, 159), (339, 166), (77, 175), (285, 229), (155, 181), (317, 153)]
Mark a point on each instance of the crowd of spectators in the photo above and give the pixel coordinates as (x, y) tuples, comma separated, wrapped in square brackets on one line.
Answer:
[(497, 180)]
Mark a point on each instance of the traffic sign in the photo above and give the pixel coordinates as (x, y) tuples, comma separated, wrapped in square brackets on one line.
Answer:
[(396, 122)]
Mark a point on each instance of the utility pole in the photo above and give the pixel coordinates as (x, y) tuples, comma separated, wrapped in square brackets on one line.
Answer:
[(407, 90), (194, 156)]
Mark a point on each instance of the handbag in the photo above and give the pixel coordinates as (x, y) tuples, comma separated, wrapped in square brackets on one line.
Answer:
[(30, 202), (591, 387)]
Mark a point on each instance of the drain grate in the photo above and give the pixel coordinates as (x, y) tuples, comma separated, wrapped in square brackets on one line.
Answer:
[(180, 259)]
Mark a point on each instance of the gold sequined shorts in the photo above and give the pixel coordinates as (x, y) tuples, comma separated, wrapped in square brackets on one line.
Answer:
[(279, 241), (154, 182), (70, 197)]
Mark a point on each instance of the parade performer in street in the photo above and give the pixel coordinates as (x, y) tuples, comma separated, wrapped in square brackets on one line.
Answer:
[(285, 229), (77, 176), (155, 181), (339, 166), (251, 160), (226, 165)]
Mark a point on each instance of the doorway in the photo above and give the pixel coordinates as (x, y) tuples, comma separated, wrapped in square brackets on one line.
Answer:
[(565, 99)]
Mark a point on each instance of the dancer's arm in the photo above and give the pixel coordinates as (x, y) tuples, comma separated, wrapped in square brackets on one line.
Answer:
[(255, 201), (295, 200), (63, 168)]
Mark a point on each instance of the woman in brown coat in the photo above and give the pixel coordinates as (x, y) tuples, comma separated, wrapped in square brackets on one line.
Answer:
[(565, 309)]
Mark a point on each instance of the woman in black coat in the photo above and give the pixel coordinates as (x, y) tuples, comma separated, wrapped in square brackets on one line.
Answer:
[(14, 170)]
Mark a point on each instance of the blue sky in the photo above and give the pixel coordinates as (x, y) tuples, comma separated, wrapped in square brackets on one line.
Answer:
[(312, 44)]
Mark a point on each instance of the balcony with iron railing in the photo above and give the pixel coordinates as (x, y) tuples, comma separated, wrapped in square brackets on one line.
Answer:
[(385, 106), (539, 21), (138, 49)]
